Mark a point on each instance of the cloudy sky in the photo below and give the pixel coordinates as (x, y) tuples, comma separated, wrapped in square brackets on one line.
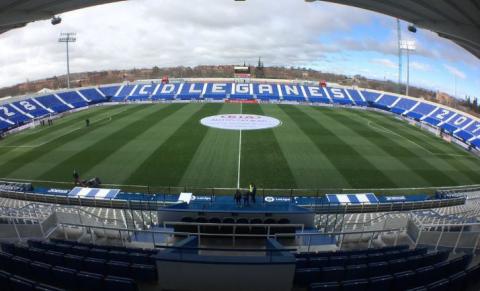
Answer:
[(323, 36)]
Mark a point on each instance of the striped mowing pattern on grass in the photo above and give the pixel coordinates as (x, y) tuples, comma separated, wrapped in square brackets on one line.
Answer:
[(165, 145)]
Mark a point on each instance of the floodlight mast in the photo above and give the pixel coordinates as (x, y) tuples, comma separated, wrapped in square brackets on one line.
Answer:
[(68, 37), (408, 45)]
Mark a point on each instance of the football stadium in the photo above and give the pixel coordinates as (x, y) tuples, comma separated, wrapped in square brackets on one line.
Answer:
[(240, 183)]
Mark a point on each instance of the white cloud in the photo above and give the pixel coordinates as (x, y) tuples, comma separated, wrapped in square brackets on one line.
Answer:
[(386, 63), (420, 66), (454, 71), (145, 33)]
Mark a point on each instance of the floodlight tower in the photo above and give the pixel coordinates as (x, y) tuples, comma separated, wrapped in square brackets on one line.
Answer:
[(399, 39), (407, 45), (68, 37)]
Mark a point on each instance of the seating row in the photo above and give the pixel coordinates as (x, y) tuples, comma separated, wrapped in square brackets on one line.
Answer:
[(408, 280), (46, 277), (341, 260), (105, 247), (340, 273), (80, 250), (139, 272), (352, 252)]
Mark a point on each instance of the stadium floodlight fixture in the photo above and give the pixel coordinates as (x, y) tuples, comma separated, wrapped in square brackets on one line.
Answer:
[(412, 28), (68, 37), (56, 20), (408, 45)]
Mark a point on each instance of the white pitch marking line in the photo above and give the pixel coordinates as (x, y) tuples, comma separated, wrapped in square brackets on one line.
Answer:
[(376, 126), (239, 151), (41, 144), (55, 137)]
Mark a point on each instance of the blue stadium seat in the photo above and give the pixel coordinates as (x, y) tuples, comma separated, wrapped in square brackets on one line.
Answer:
[(8, 248), (414, 260), (458, 281), (392, 255), (119, 256), (304, 277), (36, 254), (64, 277), (22, 251), (73, 261), (21, 266), (94, 265), (18, 283), (62, 247), (473, 274), (397, 265), (441, 269), (355, 285), (90, 281), (80, 251), (54, 258), (113, 283), (337, 260), (377, 269), (6, 260), (326, 286), (332, 273), (419, 251), (139, 258), (318, 262), (358, 259), (353, 272), (403, 280), (431, 258), (380, 283), (144, 272), (4, 278), (93, 95), (45, 287), (41, 271), (425, 275), (440, 285), (376, 257), (53, 103), (98, 253), (119, 268)]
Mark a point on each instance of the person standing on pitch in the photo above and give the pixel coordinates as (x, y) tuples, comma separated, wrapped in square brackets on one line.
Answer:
[(250, 192), (238, 197), (76, 177), (245, 198), (253, 192), (87, 122)]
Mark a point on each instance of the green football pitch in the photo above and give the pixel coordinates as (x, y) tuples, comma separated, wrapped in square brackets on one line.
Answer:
[(165, 145)]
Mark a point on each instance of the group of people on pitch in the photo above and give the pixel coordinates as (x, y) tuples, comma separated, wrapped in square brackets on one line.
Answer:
[(247, 196)]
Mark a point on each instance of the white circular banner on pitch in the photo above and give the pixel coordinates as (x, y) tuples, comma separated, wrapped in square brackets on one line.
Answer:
[(240, 121)]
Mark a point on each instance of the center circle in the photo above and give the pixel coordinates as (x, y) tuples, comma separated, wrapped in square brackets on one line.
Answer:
[(240, 121)]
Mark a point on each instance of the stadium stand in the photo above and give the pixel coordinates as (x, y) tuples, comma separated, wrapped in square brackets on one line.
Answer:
[(93, 94), (386, 101), (79, 266), (369, 269), (54, 103), (74, 99), (30, 107)]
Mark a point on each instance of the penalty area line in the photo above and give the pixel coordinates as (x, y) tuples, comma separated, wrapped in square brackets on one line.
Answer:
[(378, 127), (106, 118)]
